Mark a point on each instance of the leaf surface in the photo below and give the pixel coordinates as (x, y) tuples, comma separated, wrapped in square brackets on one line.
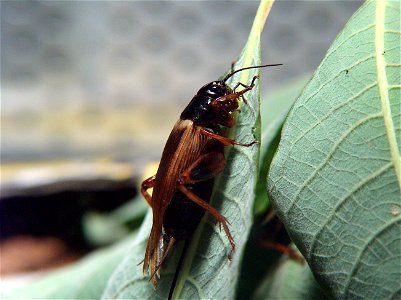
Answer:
[(335, 180)]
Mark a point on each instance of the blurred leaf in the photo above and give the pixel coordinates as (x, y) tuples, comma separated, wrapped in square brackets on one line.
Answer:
[(335, 180), (83, 280), (131, 210), (290, 280), (273, 113), (102, 229), (206, 272)]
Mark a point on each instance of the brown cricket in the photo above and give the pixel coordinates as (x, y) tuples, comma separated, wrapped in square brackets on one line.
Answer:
[(192, 157)]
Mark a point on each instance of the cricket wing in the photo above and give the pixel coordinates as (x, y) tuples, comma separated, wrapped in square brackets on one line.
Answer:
[(183, 147)]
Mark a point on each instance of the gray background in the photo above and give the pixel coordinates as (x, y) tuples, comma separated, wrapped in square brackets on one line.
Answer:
[(82, 79)]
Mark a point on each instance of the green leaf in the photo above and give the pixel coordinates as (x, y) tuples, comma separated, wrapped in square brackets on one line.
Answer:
[(101, 229), (335, 180), (83, 280), (273, 113), (290, 280), (206, 271)]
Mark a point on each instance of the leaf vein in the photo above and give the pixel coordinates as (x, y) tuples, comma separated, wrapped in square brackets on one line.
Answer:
[(333, 50), (330, 154), (343, 200), (330, 81), (330, 113), (383, 88), (365, 247)]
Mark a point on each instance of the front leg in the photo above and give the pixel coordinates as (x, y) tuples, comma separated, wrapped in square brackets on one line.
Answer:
[(246, 88), (228, 99)]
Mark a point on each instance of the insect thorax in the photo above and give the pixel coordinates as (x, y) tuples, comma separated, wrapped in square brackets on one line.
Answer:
[(199, 109)]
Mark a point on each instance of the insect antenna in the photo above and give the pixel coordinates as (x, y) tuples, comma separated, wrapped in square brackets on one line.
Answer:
[(246, 68), (177, 270)]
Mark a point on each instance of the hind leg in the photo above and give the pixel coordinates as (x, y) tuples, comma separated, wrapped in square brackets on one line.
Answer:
[(206, 167)]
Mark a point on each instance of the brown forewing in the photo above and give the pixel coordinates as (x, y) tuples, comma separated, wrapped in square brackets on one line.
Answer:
[(183, 147)]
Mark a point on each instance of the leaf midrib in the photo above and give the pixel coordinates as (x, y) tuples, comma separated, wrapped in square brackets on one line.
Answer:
[(384, 87)]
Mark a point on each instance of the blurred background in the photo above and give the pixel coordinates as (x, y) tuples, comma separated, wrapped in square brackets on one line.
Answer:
[(84, 78), (91, 89)]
